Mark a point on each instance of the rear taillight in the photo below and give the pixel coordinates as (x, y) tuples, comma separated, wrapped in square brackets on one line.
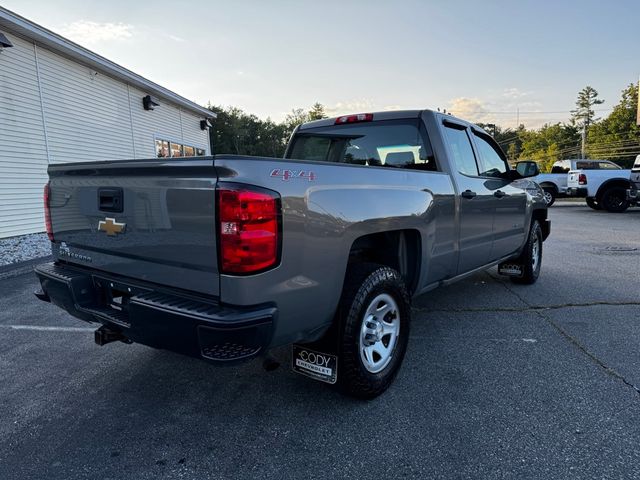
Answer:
[(582, 179), (248, 229), (47, 211), (360, 117)]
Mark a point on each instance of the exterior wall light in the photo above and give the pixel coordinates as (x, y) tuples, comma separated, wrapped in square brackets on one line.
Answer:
[(4, 42), (149, 102)]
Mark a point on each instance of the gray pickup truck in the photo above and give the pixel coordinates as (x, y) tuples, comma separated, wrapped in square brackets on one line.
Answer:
[(224, 258)]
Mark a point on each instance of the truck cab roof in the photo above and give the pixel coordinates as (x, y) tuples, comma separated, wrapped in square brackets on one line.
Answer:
[(387, 115)]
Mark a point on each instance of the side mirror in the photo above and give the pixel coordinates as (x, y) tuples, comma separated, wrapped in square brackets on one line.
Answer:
[(527, 169)]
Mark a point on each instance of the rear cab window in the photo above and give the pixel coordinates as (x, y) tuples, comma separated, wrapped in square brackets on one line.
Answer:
[(387, 143), (561, 166)]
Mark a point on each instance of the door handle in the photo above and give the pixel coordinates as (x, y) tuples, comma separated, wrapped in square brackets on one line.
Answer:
[(499, 194), (468, 194)]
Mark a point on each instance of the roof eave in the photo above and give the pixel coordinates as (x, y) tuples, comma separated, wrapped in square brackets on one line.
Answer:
[(69, 49)]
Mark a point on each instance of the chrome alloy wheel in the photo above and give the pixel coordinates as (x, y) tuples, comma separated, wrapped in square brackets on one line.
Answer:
[(535, 254), (379, 333), (548, 197)]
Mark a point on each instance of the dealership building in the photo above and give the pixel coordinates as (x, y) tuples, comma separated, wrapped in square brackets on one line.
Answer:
[(60, 102)]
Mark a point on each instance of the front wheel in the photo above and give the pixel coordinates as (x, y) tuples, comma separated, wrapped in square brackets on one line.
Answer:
[(375, 315), (549, 195), (531, 257)]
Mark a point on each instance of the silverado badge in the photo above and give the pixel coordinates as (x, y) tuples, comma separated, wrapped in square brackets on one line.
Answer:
[(111, 227)]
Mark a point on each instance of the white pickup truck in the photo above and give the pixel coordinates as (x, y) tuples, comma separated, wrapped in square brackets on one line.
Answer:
[(633, 194), (555, 184), (603, 188)]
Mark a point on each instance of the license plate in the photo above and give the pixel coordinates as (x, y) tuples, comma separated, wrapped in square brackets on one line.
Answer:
[(510, 269), (317, 365)]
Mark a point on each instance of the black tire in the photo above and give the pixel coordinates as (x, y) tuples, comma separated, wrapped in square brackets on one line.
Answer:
[(363, 284), (592, 203), (531, 269), (614, 200), (550, 195)]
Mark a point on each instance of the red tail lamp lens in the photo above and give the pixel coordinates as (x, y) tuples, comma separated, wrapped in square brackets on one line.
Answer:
[(249, 229)]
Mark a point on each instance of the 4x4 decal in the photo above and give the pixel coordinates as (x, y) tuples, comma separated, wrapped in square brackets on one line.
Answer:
[(287, 175)]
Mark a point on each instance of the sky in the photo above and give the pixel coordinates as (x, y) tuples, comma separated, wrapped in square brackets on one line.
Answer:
[(493, 61)]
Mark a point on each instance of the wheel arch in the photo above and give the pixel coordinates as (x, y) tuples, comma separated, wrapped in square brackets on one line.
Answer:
[(550, 185), (614, 182), (541, 216), (398, 249)]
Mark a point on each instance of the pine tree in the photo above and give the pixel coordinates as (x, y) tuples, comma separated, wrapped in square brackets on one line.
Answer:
[(317, 112), (584, 115)]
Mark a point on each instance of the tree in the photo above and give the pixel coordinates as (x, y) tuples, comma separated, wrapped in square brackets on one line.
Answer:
[(239, 133), (550, 143), (300, 115), (584, 114), (317, 112), (617, 137)]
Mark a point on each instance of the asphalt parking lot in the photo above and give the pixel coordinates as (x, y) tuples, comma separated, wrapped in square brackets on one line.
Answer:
[(500, 381)]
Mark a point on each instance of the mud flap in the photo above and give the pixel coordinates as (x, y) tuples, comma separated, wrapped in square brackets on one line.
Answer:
[(317, 365), (322, 355), (511, 269)]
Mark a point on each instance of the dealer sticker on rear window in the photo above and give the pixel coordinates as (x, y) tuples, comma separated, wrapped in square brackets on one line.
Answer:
[(320, 366)]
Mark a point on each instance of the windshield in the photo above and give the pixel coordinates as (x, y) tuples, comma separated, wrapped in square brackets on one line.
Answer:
[(392, 143)]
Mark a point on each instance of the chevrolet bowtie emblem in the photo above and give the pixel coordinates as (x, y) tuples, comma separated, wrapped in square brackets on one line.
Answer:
[(111, 227)]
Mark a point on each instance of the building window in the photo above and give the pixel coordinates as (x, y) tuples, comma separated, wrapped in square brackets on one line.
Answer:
[(188, 151), (162, 148), (176, 149), (165, 149)]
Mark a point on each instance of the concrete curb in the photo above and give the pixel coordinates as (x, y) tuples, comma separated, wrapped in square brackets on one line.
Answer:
[(20, 268)]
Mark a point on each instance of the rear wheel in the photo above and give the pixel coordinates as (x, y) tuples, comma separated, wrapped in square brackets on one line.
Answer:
[(374, 312), (550, 195), (591, 202), (614, 200), (531, 257)]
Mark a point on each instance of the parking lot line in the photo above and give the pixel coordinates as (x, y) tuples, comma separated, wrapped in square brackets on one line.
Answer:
[(41, 328)]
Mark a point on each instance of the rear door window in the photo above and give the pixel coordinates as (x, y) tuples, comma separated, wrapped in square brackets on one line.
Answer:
[(608, 166), (461, 150), (389, 143)]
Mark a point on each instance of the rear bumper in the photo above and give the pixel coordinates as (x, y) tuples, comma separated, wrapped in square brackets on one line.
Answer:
[(580, 192), (165, 319)]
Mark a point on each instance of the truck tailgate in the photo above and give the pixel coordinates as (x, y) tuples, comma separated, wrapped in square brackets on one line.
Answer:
[(572, 179), (152, 220)]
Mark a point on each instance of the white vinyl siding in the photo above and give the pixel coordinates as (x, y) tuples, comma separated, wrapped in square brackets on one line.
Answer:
[(166, 123), (88, 116), (192, 134), (87, 113), (23, 152)]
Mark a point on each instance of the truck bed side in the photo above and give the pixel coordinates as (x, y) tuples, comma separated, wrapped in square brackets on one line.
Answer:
[(326, 209)]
